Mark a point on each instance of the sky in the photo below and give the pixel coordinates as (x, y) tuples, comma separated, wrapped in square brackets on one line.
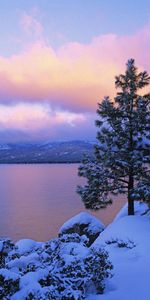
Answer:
[(58, 59)]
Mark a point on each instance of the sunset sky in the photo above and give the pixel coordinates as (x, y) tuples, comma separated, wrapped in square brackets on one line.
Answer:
[(58, 58)]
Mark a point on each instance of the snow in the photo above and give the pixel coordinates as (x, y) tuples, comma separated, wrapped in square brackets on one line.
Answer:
[(140, 209), (131, 265), (27, 245), (8, 275), (1, 245), (126, 239), (4, 147), (32, 277), (94, 225), (23, 262), (33, 287), (42, 270), (77, 250)]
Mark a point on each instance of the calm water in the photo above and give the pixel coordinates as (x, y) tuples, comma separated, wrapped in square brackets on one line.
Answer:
[(35, 200)]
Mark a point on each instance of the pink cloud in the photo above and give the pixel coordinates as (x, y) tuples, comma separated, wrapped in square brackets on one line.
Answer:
[(34, 117), (75, 76)]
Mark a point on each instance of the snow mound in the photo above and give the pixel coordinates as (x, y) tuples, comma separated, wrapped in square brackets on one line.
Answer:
[(83, 224), (27, 245), (8, 275), (128, 244), (140, 208)]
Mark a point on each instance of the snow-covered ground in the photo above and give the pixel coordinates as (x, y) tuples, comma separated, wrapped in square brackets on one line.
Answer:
[(127, 240), (49, 270)]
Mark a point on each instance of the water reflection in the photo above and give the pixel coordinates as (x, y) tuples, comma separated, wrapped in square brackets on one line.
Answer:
[(37, 199)]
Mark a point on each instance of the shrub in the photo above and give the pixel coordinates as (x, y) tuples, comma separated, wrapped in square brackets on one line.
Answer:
[(63, 268), (9, 283), (76, 269), (6, 246)]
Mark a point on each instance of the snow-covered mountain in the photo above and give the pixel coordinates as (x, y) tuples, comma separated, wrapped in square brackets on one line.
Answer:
[(4, 147), (45, 152)]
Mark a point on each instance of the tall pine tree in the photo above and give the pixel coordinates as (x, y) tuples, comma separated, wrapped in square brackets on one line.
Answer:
[(122, 153)]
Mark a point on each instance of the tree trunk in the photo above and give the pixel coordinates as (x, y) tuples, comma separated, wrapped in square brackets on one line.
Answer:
[(130, 199), (130, 206), (131, 177)]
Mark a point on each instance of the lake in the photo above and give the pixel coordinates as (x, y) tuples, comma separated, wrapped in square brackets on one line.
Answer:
[(37, 199)]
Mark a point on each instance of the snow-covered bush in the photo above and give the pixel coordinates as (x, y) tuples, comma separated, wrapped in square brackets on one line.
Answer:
[(74, 267), (74, 237), (62, 268), (6, 246), (9, 283), (121, 243)]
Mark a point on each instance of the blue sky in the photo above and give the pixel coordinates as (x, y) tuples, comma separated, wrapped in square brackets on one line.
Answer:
[(71, 20)]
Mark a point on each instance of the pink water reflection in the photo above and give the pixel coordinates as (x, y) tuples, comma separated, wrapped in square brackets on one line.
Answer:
[(37, 199)]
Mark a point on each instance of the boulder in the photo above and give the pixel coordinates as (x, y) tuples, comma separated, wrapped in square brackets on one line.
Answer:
[(83, 224)]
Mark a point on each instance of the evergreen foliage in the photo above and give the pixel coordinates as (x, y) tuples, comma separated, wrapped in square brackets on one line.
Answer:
[(122, 153)]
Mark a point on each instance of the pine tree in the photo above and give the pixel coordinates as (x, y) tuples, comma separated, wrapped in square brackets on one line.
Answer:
[(122, 153)]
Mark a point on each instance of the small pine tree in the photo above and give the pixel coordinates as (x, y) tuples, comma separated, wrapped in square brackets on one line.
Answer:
[(122, 153)]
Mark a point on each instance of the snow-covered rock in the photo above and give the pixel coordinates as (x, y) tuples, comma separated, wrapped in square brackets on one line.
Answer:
[(83, 224)]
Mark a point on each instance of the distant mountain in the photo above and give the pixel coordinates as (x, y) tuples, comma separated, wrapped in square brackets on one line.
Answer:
[(46, 152)]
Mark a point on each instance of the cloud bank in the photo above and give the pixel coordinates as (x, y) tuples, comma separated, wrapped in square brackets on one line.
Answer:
[(42, 87)]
